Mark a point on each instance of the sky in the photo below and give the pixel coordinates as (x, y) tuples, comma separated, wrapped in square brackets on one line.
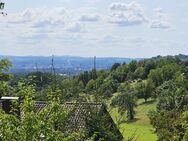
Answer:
[(103, 28)]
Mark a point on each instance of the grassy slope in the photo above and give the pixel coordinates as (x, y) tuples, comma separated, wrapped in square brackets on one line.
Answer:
[(141, 126)]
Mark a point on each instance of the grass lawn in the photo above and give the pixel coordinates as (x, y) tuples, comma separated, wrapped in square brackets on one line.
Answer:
[(141, 126)]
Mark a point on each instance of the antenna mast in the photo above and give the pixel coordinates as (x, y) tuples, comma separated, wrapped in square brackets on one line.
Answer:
[(53, 73)]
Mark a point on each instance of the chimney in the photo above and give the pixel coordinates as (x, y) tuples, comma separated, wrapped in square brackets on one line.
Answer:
[(11, 105)]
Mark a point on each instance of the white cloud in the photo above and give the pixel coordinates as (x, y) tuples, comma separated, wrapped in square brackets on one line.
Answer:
[(23, 17), (85, 27), (35, 38), (38, 17), (81, 1), (132, 7), (162, 20), (127, 14), (32, 26), (136, 40), (76, 27), (42, 23), (109, 39), (89, 18)]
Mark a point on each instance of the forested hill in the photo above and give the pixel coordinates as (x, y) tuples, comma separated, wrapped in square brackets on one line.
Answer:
[(63, 64), (182, 57)]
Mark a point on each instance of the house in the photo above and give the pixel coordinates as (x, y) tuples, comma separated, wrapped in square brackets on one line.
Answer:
[(80, 114)]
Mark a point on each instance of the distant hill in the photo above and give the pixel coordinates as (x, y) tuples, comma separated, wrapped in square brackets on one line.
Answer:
[(70, 64), (63, 64), (180, 56)]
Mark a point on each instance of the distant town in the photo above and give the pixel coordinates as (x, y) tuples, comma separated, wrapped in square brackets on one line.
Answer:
[(64, 65)]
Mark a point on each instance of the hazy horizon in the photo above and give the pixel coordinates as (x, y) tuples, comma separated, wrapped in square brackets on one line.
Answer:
[(86, 56)]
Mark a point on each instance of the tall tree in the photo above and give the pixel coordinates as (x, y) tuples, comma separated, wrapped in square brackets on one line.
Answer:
[(5, 89), (126, 102), (145, 89)]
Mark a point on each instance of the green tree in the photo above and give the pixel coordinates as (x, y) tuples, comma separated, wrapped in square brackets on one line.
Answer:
[(5, 88), (40, 79), (156, 76), (115, 66), (145, 89), (120, 73), (70, 89), (34, 125), (148, 66), (84, 77), (139, 72), (126, 101), (91, 86), (133, 66), (5, 64), (106, 89), (168, 125), (167, 119), (171, 97)]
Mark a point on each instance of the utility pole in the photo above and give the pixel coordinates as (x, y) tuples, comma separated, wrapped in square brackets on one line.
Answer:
[(94, 62), (94, 68), (97, 99), (53, 73)]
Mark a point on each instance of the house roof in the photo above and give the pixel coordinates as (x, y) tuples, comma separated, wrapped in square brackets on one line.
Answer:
[(78, 112)]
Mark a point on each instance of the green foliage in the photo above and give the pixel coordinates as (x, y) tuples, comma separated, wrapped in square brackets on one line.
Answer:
[(4, 67), (167, 125), (107, 88), (91, 86), (140, 127), (156, 77), (126, 101), (5, 64), (70, 89), (115, 66), (148, 66), (84, 77), (139, 72), (49, 122), (120, 73), (133, 66), (40, 79), (145, 89), (171, 97), (171, 104), (101, 129), (165, 79), (5, 89)]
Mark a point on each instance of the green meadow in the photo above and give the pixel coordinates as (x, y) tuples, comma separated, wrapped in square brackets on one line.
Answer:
[(140, 128)]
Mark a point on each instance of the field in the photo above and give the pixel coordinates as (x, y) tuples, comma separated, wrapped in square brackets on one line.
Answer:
[(140, 128)]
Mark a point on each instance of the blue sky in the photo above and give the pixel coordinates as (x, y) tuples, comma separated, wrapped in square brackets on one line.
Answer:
[(115, 28)]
